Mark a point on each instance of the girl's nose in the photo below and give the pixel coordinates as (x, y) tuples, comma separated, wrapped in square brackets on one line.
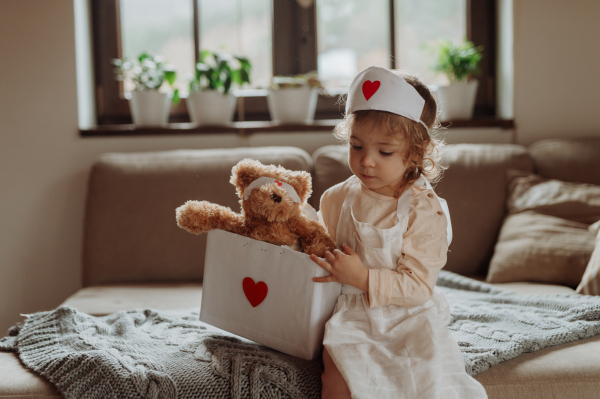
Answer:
[(366, 160)]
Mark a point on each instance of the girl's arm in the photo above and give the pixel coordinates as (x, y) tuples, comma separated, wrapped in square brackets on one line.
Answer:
[(424, 254), (331, 205)]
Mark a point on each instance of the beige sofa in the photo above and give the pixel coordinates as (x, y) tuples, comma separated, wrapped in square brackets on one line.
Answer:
[(135, 256)]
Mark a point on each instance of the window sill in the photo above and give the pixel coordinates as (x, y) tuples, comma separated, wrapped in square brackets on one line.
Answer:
[(250, 127)]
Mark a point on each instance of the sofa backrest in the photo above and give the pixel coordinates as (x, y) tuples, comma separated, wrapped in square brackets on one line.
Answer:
[(131, 234), (573, 160), (130, 230), (474, 186)]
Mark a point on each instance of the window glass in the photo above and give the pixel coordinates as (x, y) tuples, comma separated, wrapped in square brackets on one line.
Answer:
[(419, 26), (159, 27), (241, 27), (351, 35)]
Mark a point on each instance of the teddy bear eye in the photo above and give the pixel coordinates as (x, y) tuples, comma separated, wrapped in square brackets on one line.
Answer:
[(276, 198)]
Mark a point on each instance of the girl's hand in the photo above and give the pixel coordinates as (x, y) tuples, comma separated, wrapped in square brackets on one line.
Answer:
[(344, 268)]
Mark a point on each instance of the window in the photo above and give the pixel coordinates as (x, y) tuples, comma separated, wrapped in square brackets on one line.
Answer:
[(352, 35), (240, 27), (160, 27), (281, 37), (421, 24)]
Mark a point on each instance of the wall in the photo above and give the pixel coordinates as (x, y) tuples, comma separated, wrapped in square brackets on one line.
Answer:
[(44, 163), (557, 89)]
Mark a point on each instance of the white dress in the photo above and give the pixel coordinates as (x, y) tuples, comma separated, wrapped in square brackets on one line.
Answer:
[(391, 351)]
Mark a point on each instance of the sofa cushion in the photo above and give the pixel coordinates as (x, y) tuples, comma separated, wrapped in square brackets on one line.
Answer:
[(590, 282), (562, 372), (573, 160), (530, 288), (544, 237), (16, 382), (557, 372), (566, 371), (331, 168), (104, 300), (578, 202), (535, 247), (130, 230), (474, 186)]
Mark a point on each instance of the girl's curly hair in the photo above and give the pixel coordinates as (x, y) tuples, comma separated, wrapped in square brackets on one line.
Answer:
[(422, 152)]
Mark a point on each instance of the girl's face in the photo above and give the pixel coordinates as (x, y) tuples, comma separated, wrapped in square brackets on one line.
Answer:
[(377, 159)]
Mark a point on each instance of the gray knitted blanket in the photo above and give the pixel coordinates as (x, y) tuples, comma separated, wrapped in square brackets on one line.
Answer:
[(170, 354)]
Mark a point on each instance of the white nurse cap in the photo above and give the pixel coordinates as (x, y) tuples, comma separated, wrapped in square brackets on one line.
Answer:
[(377, 88)]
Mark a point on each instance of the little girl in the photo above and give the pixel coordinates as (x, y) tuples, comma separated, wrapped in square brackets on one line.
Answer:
[(387, 337)]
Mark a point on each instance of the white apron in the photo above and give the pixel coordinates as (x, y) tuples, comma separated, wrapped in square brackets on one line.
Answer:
[(391, 351)]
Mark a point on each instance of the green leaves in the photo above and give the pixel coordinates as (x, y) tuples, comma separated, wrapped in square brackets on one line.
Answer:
[(148, 72), (458, 62), (176, 97), (171, 76), (244, 71), (143, 57), (218, 71)]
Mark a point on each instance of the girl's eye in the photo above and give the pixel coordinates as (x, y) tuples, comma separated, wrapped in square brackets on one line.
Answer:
[(356, 147), (385, 154)]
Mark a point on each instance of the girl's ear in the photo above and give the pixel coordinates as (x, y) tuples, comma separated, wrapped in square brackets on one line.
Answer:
[(414, 158), (244, 173)]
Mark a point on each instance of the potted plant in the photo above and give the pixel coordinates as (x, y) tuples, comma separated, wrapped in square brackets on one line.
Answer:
[(210, 101), (293, 99), (149, 106), (459, 63)]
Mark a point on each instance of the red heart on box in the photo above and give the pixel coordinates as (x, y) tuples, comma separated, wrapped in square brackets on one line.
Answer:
[(369, 88), (256, 293)]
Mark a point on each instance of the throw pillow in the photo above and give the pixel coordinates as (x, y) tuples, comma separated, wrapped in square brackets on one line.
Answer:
[(544, 238), (590, 282), (578, 202), (541, 248)]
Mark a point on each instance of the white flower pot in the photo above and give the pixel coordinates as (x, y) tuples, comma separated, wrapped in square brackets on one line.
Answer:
[(457, 100), (150, 108), (293, 105), (210, 107)]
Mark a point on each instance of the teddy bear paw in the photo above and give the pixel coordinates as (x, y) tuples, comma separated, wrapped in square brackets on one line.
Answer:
[(193, 217), (318, 249)]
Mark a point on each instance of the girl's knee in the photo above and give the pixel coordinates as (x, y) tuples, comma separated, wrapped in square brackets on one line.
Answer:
[(334, 385)]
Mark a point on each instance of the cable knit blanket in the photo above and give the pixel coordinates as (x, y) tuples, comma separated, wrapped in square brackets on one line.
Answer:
[(170, 354)]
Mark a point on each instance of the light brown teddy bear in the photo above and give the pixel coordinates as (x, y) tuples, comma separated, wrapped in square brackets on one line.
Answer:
[(272, 199)]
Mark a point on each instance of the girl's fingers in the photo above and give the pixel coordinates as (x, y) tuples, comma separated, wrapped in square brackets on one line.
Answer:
[(320, 262), (336, 252), (329, 256), (349, 250), (326, 279)]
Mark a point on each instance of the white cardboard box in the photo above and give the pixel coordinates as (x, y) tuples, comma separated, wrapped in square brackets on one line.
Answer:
[(291, 318)]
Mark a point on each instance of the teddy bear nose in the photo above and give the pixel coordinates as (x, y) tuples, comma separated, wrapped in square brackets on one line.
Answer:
[(276, 198)]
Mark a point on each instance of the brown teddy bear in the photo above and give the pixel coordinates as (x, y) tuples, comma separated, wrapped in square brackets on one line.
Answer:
[(272, 199)]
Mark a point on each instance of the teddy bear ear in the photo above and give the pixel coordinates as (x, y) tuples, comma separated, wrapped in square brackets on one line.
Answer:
[(244, 173), (302, 183)]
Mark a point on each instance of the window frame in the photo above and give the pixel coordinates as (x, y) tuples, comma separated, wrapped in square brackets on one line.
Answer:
[(294, 51)]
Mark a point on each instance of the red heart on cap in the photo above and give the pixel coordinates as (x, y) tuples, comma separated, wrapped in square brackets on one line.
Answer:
[(256, 293), (369, 88), (279, 183)]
